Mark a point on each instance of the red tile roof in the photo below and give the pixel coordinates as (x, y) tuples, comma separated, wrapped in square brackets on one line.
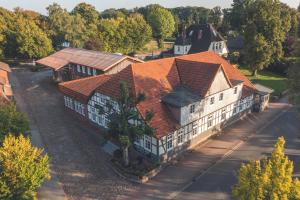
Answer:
[(89, 58), (158, 77), (5, 67)]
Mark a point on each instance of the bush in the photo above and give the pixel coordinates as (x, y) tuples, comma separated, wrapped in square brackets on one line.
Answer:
[(282, 65), (234, 57)]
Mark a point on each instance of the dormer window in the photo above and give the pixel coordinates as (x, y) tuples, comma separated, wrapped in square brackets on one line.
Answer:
[(192, 108), (235, 90), (212, 100)]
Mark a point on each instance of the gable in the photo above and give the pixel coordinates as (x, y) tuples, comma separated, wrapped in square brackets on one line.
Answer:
[(220, 83)]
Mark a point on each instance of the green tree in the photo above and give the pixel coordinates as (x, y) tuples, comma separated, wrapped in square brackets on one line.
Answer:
[(32, 42), (87, 12), (162, 22), (12, 121), (215, 16), (294, 79), (65, 27), (268, 179), (266, 27), (121, 120), (23, 168)]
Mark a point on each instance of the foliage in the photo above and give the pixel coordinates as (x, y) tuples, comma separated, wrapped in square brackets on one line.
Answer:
[(125, 122), (215, 16), (234, 57), (294, 79), (265, 29), (162, 22), (282, 65), (124, 35), (268, 179), (112, 13), (12, 121), (87, 12), (23, 168), (65, 27)]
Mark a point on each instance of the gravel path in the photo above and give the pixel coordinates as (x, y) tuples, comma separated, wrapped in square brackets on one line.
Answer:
[(74, 149)]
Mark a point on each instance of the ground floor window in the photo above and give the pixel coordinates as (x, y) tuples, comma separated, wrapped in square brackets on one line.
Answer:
[(68, 102), (147, 143), (170, 142), (180, 137), (209, 121), (223, 114)]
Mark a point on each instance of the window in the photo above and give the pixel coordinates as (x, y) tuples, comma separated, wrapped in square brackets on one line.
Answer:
[(212, 100), (178, 48), (147, 143), (221, 96), (78, 68), (192, 108), (195, 131), (235, 108), (89, 71), (83, 69), (180, 137), (170, 142), (223, 114), (235, 90), (209, 121), (94, 72), (220, 45)]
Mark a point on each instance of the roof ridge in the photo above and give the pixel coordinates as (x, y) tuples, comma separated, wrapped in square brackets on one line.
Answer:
[(102, 52), (83, 79)]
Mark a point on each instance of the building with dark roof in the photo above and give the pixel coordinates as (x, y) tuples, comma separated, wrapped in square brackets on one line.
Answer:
[(200, 38), (191, 96), (74, 63)]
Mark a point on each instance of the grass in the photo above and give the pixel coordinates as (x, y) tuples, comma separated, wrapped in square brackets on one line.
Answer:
[(152, 46), (266, 78)]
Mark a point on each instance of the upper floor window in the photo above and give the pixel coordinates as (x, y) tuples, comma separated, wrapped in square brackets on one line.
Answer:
[(212, 100), (235, 90), (221, 96), (192, 108), (220, 45)]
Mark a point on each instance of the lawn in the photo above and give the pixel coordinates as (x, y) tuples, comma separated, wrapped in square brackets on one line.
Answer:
[(269, 79)]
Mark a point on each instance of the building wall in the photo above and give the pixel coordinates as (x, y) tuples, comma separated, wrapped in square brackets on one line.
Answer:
[(118, 67), (219, 48), (181, 49), (198, 130)]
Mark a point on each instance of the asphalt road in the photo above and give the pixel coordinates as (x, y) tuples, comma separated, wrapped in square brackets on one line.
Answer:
[(216, 183)]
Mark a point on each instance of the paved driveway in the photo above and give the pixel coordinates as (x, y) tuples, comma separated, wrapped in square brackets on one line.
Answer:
[(74, 149)]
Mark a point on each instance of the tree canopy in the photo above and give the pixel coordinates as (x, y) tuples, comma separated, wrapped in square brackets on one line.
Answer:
[(23, 168), (268, 179), (162, 22)]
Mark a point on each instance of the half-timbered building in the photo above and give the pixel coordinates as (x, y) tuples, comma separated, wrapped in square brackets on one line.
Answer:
[(192, 97)]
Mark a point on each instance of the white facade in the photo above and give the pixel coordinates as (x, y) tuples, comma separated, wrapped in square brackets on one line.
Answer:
[(219, 48), (181, 49)]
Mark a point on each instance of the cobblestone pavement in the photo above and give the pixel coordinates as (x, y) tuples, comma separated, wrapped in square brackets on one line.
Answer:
[(74, 149)]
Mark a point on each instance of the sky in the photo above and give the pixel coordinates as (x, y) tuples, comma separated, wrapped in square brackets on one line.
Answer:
[(40, 5)]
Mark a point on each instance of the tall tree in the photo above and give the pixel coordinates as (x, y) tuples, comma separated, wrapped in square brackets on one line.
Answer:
[(162, 22), (87, 12), (268, 179), (294, 79), (265, 28), (32, 42), (215, 16), (23, 168), (64, 27), (121, 120)]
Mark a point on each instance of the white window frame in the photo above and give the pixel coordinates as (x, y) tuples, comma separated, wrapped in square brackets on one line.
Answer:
[(88, 70), (83, 69), (94, 72), (170, 142), (192, 108), (147, 142), (209, 121), (78, 68), (235, 90), (180, 137)]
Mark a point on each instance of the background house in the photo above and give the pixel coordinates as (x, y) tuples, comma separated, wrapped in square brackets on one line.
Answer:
[(74, 63), (200, 38)]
